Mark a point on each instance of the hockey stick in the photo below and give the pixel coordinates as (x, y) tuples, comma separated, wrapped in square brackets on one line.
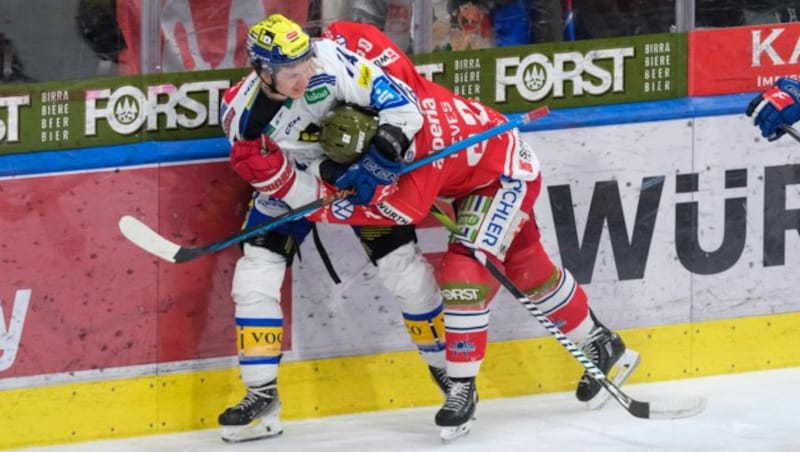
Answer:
[(791, 131), (149, 240), (674, 409)]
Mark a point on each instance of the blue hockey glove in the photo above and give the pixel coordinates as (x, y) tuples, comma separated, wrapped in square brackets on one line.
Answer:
[(776, 107), (367, 174)]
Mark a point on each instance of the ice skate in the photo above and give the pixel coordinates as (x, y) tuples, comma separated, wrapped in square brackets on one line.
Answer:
[(608, 352), (458, 412), (255, 417)]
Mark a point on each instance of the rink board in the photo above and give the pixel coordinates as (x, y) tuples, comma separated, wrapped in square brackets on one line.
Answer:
[(103, 340), (184, 400)]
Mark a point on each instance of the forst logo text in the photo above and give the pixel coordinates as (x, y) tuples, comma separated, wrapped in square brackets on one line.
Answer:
[(535, 76), (9, 123), (127, 109)]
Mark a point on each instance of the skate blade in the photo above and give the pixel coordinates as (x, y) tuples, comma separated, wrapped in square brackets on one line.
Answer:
[(624, 367), (261, 428), (450, 434)]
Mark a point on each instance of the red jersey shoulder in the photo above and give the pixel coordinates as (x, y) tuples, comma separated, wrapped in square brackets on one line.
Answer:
[(363, 39)]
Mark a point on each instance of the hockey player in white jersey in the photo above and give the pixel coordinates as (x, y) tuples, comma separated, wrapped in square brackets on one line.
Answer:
[(295, 81)]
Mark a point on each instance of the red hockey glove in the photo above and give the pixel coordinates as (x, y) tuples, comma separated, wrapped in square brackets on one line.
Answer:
[(262, 163)]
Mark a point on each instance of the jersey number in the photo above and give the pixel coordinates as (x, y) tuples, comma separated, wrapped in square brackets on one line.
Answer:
[(472, 118)]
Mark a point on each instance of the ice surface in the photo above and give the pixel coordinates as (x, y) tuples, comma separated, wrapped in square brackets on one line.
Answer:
[(756, 411)]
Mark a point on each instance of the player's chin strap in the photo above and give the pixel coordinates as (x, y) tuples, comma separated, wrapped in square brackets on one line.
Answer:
[(269, 85)]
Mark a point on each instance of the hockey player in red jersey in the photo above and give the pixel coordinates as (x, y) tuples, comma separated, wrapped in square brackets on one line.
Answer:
[(503, 175), (494, 185)]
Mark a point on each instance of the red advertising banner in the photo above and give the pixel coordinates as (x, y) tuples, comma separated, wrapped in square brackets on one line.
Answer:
[(742, 59), (199, 34), (75, 295)]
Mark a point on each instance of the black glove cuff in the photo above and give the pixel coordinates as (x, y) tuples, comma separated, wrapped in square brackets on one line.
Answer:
[(391, 142), (751, 107), (330, 171)]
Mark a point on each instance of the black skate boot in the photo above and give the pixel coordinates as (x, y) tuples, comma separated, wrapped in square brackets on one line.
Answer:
[(608, 352), (255, 417), (441, 379), (458, 412)]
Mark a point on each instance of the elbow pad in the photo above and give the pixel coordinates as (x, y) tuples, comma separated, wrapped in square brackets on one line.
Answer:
[(391, 142), (330, 171)]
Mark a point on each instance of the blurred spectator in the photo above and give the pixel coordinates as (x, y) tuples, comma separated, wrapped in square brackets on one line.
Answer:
[(96, 21), (195, 34), (470, 24), (513, 22), (373, 12), (614, 18), (770, 12), (11, 70), (393, 17), (466, 25), (718, 13), (548, 20), (732, 13), (477, 24), (46, 41)]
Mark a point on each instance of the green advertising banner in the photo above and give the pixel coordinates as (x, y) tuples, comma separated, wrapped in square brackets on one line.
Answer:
[(565, 74), (97, 112)]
